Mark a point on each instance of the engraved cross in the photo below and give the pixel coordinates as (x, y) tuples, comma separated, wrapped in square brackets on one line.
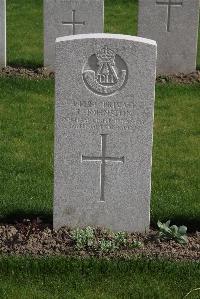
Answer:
[(73, 22), (103, 159), (169, 4)]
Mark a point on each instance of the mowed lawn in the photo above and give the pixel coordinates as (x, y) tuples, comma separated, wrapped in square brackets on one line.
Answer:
[(61, 278)]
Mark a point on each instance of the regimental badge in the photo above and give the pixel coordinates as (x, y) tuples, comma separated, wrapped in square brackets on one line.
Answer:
[(105, 72)]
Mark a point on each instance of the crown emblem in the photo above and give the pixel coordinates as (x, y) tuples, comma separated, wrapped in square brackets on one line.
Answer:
[(106, 55), (108, 75)]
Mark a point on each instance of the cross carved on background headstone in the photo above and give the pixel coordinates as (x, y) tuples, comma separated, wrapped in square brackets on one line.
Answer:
[(73, 22), (169, 5)]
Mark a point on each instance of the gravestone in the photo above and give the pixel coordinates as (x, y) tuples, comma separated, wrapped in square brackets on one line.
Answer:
[(103, 132), (174, 25), (69, 17), (2, 33)]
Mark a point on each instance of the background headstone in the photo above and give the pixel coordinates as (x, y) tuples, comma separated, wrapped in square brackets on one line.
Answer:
[(104, 123), (2, 33), (69, 17), (174, 25)]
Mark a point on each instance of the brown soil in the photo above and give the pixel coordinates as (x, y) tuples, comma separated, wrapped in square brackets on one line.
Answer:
[(180, 78), (44, 73), (36, 238), (39, 73)]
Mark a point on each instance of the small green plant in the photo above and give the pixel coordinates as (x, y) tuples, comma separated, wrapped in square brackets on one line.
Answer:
[(83, 238), (86, 238), (107, 245), (120, 239), (135, 244), (167, 232), (112, 241)]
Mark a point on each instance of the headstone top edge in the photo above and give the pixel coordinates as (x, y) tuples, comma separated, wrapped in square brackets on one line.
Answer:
[(108, 36)]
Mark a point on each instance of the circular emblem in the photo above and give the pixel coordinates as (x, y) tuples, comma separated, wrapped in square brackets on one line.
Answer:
[(105, 72)]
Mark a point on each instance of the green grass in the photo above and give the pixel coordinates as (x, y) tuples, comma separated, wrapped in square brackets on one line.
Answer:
[(26, 171), (25, 33), (176, 163), (121, 16), (59, 278), (25, 28), (26, 151)]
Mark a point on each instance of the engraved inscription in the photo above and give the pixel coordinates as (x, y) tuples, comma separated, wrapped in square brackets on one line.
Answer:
[(103, 160), (73, 23), (105, 72), (101, 115), (169, 4)]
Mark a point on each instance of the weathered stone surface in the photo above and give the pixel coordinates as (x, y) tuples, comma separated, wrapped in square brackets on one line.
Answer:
[(104, 123), (174, 25), (2, 33), (69, 17)]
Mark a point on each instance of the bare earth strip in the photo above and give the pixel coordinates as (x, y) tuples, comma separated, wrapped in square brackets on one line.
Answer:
[(36, 238), (44, 73)]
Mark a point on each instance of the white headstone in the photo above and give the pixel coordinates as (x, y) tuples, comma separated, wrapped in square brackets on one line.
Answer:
[(104, 127), (2, 33), (174, 25), (69, 17)]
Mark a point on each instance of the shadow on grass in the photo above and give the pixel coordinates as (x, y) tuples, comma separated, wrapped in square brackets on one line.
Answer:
[(193, 224), (25, 64), (20, 216)]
